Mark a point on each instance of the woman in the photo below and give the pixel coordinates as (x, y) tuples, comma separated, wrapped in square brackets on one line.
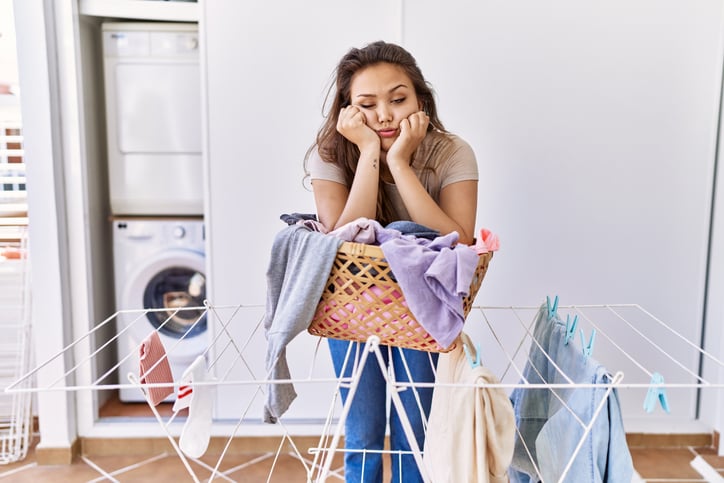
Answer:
[(383, 154)]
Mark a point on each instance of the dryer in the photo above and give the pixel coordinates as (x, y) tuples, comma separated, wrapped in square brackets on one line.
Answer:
[(153, 118), (159, 264)]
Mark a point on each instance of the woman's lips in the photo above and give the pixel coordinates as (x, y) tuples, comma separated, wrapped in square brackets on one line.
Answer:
[(387, 133)]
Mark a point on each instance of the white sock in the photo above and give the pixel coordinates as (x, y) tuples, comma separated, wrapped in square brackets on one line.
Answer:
[(200, 400)]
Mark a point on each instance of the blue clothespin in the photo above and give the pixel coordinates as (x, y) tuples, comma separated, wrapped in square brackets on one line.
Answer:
[(552, 308), (588, 348), (570, 327), (656, 393), (476, 362)]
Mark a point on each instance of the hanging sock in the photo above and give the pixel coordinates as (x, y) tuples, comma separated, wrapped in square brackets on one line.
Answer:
[(154, 368), (200, 400)]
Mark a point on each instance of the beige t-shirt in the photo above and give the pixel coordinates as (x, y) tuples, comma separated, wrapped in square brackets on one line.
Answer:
[(440, 160)]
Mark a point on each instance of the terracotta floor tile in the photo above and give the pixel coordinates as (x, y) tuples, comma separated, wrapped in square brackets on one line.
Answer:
[(76, 472), (716, 462), (674, 480), (111, 464), (664, 463), (653, 464)]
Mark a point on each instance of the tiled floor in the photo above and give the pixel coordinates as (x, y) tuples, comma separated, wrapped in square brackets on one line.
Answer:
[(657, 458), (162, 467), (674, 464), (653, 465)]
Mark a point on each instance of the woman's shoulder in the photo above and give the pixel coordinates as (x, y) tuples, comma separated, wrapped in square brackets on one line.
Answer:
[(318, 168), (438, 146), (449, 155), (436, 140)]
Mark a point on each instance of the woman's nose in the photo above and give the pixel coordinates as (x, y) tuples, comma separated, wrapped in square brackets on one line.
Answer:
[(384, 114)]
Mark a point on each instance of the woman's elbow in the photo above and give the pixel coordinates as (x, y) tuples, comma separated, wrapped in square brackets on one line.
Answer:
[(466, 239)]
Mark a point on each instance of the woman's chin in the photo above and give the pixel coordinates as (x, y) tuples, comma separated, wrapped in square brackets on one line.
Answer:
[(386, 144)]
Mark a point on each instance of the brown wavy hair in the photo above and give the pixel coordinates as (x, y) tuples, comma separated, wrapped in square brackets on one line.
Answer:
[(335, 148)]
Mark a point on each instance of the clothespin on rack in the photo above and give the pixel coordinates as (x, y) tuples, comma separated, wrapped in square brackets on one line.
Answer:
[(570, 327), (588, 348), (552, 309), (656, 393), (473, 362)]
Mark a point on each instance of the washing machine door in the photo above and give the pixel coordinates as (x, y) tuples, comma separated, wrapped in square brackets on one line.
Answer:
[(173, 286)]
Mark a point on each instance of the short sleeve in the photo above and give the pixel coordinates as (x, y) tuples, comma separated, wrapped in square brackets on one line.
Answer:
[(320, 169), (461, 166)]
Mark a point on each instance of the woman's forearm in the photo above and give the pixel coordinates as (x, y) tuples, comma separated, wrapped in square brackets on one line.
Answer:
[(362, 199), (425, 211)]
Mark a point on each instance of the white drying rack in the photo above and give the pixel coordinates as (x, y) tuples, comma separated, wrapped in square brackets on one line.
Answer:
[(15, 355), (643, 347)]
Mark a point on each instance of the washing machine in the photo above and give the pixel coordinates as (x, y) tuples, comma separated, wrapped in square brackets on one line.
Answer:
[(152, 84), (159, 264)]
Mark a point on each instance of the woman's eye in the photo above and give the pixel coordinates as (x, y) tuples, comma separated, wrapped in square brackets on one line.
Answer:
[(366, 106), (398, 101)]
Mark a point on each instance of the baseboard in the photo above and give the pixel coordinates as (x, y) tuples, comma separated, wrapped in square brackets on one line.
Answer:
[(57, 456), (263, 444), (217, 445), (671, 440)]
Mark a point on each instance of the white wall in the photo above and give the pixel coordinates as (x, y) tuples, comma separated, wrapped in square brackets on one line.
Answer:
[(48, 242), (712, 407), (68, 207), (595, 128), (712, 401), (8, 55), (266, 77), (594, 125)]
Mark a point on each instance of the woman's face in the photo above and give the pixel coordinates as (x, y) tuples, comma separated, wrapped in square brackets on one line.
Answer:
[(385, 95)]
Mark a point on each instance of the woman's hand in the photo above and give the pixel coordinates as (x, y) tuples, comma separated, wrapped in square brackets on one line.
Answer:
[(412, 132), (353, 126)]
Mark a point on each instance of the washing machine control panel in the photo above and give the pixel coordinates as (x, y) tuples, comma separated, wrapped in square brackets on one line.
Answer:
[(159, 235), (178, 232)]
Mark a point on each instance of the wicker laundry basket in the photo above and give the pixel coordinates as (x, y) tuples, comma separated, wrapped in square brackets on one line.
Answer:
[(362, 299)]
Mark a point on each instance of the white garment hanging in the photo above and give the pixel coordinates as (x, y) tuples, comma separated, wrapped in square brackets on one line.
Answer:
[(471, 429)]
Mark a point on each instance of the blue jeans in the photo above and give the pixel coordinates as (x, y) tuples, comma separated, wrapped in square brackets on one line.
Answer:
[(366, 421), (550, 430)]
